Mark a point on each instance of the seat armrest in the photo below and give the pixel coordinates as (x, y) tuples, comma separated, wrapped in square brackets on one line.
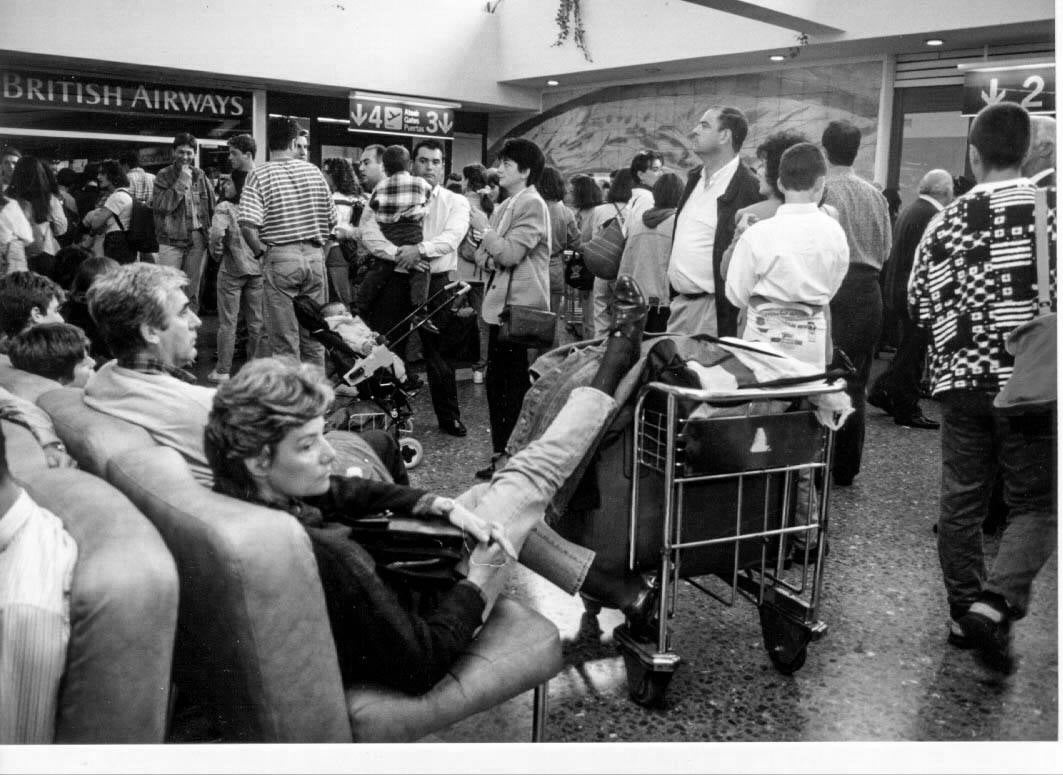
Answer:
[(23, 384), (516, 650), (24, 453), (253, 627), (123, 613), (91, 437)]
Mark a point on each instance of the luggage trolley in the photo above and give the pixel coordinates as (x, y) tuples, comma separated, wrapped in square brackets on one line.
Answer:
[(725, 495)]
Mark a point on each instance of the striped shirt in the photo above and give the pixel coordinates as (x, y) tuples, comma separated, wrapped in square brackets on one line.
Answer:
[(289, 201), (974, 281), (37, 558)]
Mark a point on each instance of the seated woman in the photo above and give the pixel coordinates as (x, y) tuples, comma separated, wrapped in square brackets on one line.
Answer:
[(264, 442)]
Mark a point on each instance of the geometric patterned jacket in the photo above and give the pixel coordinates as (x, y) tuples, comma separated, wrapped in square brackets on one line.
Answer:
[(974, 281)]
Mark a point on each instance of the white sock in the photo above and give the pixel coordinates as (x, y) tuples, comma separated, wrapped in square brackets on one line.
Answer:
[(988, 611)]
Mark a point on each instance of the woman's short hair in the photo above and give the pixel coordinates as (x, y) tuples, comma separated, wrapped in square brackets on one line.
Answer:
[(526, 155), (621, 187), (20, 292), (667, 190), (586, 193), (342, 173), (131, 295), (114, 172), (551, 185), (476, 174), (50, 350), (254, 411), (771, 151), (643, 160)]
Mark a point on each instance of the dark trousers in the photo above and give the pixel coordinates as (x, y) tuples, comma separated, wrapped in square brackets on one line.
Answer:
[(506, 382), (390, 305), (856, 322), (339, 276), (901, 380), (976, 444), (387, 449)]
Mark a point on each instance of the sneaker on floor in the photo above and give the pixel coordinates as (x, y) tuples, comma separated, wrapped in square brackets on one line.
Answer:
[(477, 377), (990, 639), (217, 377), (957, 637)]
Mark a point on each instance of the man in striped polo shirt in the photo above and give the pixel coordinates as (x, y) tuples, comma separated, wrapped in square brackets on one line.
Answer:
[(286, 216)]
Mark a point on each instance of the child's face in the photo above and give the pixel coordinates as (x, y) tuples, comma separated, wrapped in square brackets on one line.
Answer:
[(336, 311), (85, 369)]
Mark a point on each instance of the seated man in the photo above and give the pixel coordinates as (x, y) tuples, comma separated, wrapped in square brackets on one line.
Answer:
[(28, 299), (144, 317), (56, 351), (37, 558)]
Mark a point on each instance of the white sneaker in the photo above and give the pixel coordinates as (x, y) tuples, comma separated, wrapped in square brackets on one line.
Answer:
[(217, 376), (477, 377)]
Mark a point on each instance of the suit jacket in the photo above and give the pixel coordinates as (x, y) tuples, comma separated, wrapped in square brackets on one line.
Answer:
[(743, 190), (907, 233), (518, 243)]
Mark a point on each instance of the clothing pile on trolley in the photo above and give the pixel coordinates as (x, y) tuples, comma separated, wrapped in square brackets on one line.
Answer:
[(723, 449)]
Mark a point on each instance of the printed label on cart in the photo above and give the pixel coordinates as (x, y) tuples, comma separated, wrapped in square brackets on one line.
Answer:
[(760, 442)]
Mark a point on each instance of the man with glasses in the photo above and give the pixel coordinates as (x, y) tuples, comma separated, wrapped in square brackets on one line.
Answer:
[(716, 189)]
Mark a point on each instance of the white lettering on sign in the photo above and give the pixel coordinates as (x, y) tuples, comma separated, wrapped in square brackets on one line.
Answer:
[(1038, 84), (396, 117), (994, 95), (58, 92)]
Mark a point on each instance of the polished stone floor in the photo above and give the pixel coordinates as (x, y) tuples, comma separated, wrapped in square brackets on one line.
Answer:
[(883, 672)]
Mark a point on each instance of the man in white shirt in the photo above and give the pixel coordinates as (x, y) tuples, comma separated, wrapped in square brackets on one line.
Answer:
[(704, 227), (37, 559), (444, 227)]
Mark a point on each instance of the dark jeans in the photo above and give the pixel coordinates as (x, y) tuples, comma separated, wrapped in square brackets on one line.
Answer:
[(506, 382), (389, 305), (856, 321), (901, 380), (378, 276), (387, 449), (976, 443)]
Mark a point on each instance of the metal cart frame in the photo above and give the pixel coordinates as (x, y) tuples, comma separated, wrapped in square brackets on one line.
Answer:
[(787, 599)]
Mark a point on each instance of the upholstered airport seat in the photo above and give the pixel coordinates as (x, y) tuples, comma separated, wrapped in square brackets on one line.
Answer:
[(123, 607)]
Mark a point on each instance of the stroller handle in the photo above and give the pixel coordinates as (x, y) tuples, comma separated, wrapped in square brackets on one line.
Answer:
[(462, 288)]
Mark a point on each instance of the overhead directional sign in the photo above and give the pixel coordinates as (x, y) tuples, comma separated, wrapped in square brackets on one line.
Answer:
[(1032, 87), (390, 117)]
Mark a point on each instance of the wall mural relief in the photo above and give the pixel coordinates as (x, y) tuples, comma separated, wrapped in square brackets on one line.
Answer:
[(601, 130)]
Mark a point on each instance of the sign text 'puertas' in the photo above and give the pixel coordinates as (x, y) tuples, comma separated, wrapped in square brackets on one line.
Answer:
[(392, 117)]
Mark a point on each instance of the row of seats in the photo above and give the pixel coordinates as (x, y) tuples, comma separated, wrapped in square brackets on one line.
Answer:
[(228, 594)]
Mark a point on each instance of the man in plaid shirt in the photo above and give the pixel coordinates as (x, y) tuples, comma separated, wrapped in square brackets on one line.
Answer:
[(974, 281), (399, 203)]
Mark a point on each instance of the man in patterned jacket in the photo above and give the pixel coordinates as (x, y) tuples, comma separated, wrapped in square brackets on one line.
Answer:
[(974, 282)]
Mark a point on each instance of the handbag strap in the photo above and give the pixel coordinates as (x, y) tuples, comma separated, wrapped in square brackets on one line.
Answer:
[(1040, 213)]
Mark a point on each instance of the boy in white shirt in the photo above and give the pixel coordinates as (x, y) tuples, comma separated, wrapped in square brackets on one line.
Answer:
[(786, 269)]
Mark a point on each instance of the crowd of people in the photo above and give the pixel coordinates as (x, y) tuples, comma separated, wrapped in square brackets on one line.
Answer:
[(796, 252)]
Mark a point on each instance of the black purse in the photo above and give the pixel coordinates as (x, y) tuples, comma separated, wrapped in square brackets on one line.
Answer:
[(411, 551), (577, 275), (524, 325)]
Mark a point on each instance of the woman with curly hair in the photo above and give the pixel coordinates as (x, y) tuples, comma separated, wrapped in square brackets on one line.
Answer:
[(340, 251), (34, 187)]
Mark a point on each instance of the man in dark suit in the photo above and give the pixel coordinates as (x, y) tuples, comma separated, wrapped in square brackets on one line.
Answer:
[(896, 391), (716, 189)]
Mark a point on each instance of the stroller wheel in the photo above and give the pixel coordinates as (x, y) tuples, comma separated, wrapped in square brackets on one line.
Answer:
[(412, 451)]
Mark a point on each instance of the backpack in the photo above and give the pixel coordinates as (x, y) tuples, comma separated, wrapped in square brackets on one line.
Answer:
[(141, 232)]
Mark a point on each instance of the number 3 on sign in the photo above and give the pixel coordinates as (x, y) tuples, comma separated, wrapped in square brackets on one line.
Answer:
[(433, 122), (1038, 84)]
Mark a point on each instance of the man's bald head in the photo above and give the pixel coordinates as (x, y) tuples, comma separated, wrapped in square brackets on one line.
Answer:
[(937, 184), (1042, 152)]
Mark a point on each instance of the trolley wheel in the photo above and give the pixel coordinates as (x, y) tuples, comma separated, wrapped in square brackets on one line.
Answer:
[(645, 686), (412, 451), (785, 639)]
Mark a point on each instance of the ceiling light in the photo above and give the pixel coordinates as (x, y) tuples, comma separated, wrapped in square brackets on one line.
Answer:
[(551, 83), (934, 42), (777, 58)]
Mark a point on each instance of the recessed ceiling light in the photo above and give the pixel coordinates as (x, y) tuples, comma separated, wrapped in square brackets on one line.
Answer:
[(777, 58), (934, 42), (551, 83)]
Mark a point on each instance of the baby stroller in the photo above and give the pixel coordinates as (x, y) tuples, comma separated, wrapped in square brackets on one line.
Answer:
[(368, 392)]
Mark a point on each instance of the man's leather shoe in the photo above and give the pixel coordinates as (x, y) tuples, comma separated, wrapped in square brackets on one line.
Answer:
[(454, 428), (629, 309), (917, 420)]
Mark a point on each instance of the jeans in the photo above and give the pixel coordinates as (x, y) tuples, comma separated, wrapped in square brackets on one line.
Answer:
[(519, 493), (856, 321), (391, 305), (190, 259), (506, 381), (287, 271), (236, 294), (976, 443), (602, 298)]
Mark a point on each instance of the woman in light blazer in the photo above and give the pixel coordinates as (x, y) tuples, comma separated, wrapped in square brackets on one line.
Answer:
[(516, 249)]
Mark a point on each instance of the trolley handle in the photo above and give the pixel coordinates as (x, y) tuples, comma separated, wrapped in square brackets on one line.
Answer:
[(708, 396)]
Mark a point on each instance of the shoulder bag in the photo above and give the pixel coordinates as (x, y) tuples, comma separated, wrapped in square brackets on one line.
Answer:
[(525, 325), (1031, 388), (602, 254), (116, 243)]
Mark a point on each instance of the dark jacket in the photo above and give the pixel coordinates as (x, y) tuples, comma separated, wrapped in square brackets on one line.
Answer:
[(911, 224), (743, 190)]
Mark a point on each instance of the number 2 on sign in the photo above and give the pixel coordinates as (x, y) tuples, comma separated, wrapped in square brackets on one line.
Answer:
[(1038, 84)]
